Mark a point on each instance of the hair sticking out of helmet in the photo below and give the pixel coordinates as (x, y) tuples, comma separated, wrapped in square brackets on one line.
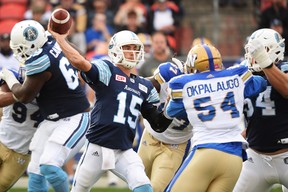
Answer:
[(26, 38), (203, 57), (116, 52), (273, 43)]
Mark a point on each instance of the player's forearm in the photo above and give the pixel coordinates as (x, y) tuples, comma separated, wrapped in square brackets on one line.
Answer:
[(75, 58), (6, 98), (156, 119), (22, 95), (278, 80)]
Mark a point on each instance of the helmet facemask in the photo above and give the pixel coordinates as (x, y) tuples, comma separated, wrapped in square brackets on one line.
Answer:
[(26, 38), (20, 52)]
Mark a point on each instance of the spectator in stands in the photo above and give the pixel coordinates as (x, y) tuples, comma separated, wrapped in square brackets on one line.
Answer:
[(277, 10), (133, 23), (164, 16), (78, 39), (99, 32), (277, 25), (145, 38), (99, 6), (126, 7), (161, 52), (77, 11), (40, 10)]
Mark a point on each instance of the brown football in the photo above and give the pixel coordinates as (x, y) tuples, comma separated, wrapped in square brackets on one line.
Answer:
[(60, 21)]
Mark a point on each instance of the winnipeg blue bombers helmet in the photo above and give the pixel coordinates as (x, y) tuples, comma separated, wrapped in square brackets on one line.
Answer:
[(203, 57)]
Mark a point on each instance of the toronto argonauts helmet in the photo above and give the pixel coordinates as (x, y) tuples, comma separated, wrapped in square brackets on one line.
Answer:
[(116, 53), (27, 37), (273, 43)]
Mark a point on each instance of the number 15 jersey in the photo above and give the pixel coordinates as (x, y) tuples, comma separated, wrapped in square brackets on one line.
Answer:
[(119, 101)]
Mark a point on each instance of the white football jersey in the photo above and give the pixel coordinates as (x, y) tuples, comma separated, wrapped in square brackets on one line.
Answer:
[(214, 102), (179, 131), (18, 124)]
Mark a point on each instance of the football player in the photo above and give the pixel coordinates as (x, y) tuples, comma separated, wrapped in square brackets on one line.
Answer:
[(267, 123), (213, 100), (17, 126), (120, 99), (54, 82), (163, 153)]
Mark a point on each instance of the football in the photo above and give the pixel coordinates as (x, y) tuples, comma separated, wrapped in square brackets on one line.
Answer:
[(60, 21)]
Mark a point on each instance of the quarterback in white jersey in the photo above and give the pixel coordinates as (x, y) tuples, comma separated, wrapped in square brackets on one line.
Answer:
[(163, 153), (213, 101), (17, 126)]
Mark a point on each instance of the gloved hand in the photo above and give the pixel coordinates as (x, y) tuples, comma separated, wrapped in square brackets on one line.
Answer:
[(259, 53), (179, 64), (9, 77)]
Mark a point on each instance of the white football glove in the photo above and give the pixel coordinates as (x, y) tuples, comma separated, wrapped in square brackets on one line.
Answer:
[(8, 77), (258, 52), (178, 63)]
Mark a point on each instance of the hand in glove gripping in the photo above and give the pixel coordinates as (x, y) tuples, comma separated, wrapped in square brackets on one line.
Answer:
[(259, 53), (9, 77)]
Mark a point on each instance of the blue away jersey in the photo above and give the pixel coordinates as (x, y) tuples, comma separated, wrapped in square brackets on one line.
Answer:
[(119, 102), (62, 95)]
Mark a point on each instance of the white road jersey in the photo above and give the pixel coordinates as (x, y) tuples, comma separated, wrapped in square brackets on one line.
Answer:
[(224, 126), (214, 102), (18, 124), (179, 131)]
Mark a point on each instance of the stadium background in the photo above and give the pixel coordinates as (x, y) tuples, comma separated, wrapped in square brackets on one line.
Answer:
[(227, 25)]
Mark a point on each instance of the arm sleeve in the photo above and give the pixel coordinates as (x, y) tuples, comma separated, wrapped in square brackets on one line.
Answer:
[(156, 119)]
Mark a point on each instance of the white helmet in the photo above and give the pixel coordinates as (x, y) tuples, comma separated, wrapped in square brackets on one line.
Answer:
[(115, 50), (27, 37), (273, 43)]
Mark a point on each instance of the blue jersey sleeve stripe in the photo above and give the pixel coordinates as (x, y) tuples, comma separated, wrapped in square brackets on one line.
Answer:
[(153, 96), (38, 66), (104, 72)]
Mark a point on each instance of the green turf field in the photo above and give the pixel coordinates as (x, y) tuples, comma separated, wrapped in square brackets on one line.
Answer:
[(93, 190), (109, 190)]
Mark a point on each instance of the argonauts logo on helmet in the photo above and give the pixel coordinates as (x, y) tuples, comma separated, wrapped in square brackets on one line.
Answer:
[(30, 33)]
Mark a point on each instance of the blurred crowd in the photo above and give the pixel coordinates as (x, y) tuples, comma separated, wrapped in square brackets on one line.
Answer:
[(95, 21)]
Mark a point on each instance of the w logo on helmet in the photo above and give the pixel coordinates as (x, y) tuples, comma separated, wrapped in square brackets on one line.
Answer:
[(30, 33)]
